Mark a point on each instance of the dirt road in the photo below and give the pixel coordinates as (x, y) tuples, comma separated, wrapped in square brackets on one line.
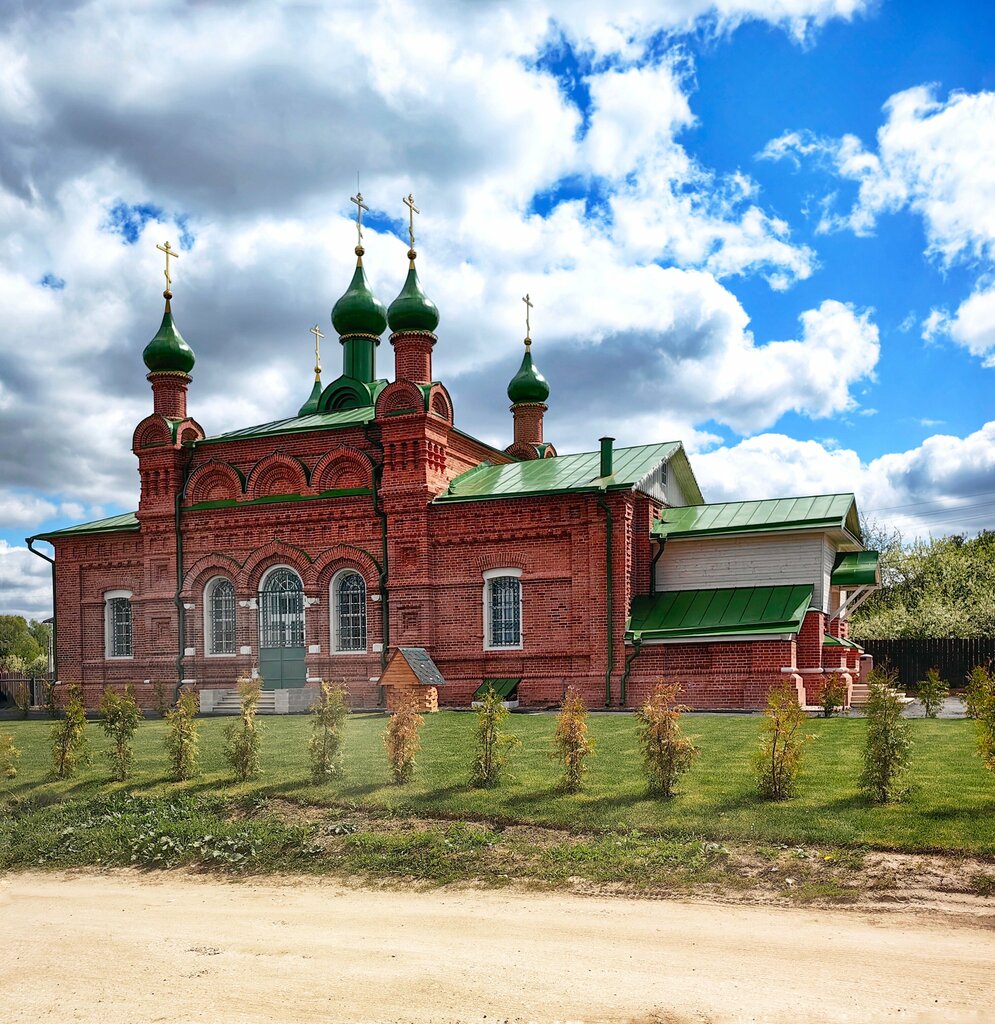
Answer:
[(133, 948)]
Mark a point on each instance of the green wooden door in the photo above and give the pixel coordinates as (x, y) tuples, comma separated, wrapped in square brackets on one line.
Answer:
[(281, 630)]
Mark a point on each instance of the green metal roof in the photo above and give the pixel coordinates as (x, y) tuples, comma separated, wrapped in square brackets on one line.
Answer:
[(126, 521), (299, 424), (502, 687), (835, 641), (732, 611), (856, 569), (825, 511), (563, 474)]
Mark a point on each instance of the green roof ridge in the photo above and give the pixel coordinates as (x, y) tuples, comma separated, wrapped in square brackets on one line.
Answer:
[(124, 521)]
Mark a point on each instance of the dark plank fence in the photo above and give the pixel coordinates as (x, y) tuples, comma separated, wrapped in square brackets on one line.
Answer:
[(9, 685), (953, 658)]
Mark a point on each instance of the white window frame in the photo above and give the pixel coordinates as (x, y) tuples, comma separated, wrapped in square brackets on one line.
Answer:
[(209, 652), (333, 604), (109, 596), (489, 576)]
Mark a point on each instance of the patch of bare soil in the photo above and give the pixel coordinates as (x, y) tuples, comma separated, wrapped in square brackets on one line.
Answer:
[(125, 947)]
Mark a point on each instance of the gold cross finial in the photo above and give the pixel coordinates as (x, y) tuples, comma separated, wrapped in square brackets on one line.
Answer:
[(360, 206), (409, 202), (169, 251), (528, 327), (316, 331)]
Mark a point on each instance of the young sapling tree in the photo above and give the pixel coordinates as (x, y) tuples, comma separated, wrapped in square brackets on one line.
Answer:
[(572, 745), (9, 756), (181, 736), (69, 747), (328, 714), (493, 743), (980, 700), (120, 716), (667, 752), (932, 692), (777, 760), (242, 737), (402, 740), (888, 746), (833, 695)]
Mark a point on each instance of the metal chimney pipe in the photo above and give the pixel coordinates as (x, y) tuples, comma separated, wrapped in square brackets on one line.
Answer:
[(606, 455)]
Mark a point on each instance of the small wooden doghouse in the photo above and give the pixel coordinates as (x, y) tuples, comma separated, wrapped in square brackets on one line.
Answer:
[(411, 670)]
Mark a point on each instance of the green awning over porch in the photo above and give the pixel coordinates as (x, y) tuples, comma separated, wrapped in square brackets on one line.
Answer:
[(856, 569), (733, 612), (502, 687)]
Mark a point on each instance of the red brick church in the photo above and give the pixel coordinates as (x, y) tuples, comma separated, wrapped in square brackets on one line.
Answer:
[(313, 546)]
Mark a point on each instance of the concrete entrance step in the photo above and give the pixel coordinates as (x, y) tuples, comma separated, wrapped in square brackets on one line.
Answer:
[(860, 694), (229, 703)]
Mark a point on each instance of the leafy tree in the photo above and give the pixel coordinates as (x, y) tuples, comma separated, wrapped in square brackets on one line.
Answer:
[(777, 760), (571, 743), (932, 692), (69, 748), (325, 745), (667, 752), (120, 716), (242, 738), (181, 736), (888, 747), (833, 695), (493, 744), (943, 587), (980, 700), (9, 756), (17, 638), (402, 740)]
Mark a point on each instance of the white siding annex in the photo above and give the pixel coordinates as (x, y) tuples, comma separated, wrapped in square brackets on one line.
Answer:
[(767, 561)]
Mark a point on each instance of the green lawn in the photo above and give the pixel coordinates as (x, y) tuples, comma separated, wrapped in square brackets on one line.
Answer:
[(952, 808)]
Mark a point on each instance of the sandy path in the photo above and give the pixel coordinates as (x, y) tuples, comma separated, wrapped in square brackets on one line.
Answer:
[(133, 948)]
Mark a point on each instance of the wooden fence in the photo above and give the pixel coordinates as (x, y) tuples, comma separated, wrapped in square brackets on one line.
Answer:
[(36, 686), (953, 658)]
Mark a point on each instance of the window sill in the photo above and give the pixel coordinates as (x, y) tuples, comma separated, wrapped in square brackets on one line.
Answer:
[(504, 647), (226, 655), (119, 657), (346, 654)]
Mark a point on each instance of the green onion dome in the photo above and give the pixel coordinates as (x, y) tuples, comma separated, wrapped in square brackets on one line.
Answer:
[(359, 311), (528, 385), (167, 352), (412, 310)]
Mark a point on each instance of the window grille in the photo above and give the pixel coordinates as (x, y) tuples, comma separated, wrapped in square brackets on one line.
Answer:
[(505, 601), (119, 619), (222, 617), (350, 612), (281, 610)]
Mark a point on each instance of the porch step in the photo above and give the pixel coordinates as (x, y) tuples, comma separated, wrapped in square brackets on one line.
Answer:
[(860, 693), (229, 703)]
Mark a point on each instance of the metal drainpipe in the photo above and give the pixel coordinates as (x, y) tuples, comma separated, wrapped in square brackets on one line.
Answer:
[(177, 599), (637, 646), (656, 558), (609, 530), (55, 623), (382, 516)]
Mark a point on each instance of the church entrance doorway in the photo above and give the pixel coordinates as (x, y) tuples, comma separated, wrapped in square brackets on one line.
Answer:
[(281, 630)]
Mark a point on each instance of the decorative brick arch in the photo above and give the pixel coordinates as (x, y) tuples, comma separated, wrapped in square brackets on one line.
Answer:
[(440, 403), (487, 562), (400, 396), (344, 467), (277, 552), (278, 473), (189, 431), (206, 568), (342, 556), (152, 432), (215, 481)]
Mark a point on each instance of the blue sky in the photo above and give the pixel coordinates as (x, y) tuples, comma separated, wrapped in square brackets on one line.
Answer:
[(767, 228)]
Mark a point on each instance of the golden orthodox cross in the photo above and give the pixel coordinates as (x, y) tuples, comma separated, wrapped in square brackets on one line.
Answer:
[(316, 331), (528, 327), (169, 252), (409, 202), (360, 206)]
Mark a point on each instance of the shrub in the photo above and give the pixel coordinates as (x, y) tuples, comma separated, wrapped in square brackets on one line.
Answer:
[(571, 743), (667, 752), (888, 747), (69, 749), (22, 699), (493, 744), (932, 692), (181, 736), (161, 700), (833, 695), (242, 738), (777, 761), (401, 739), (13, 664), (51, 699), (980, 699), (120, 717), (325, 746), (9, 756)]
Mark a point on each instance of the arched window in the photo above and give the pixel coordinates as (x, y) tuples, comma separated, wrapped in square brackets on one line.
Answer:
[(281, 609), (219, 617), (503, 609), (118, 641), (348, 612)]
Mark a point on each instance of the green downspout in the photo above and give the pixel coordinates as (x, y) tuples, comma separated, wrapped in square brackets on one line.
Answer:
[(385, 606), (656, 558), (55, 622), (637, 646), (606, 471), (177, 599)]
